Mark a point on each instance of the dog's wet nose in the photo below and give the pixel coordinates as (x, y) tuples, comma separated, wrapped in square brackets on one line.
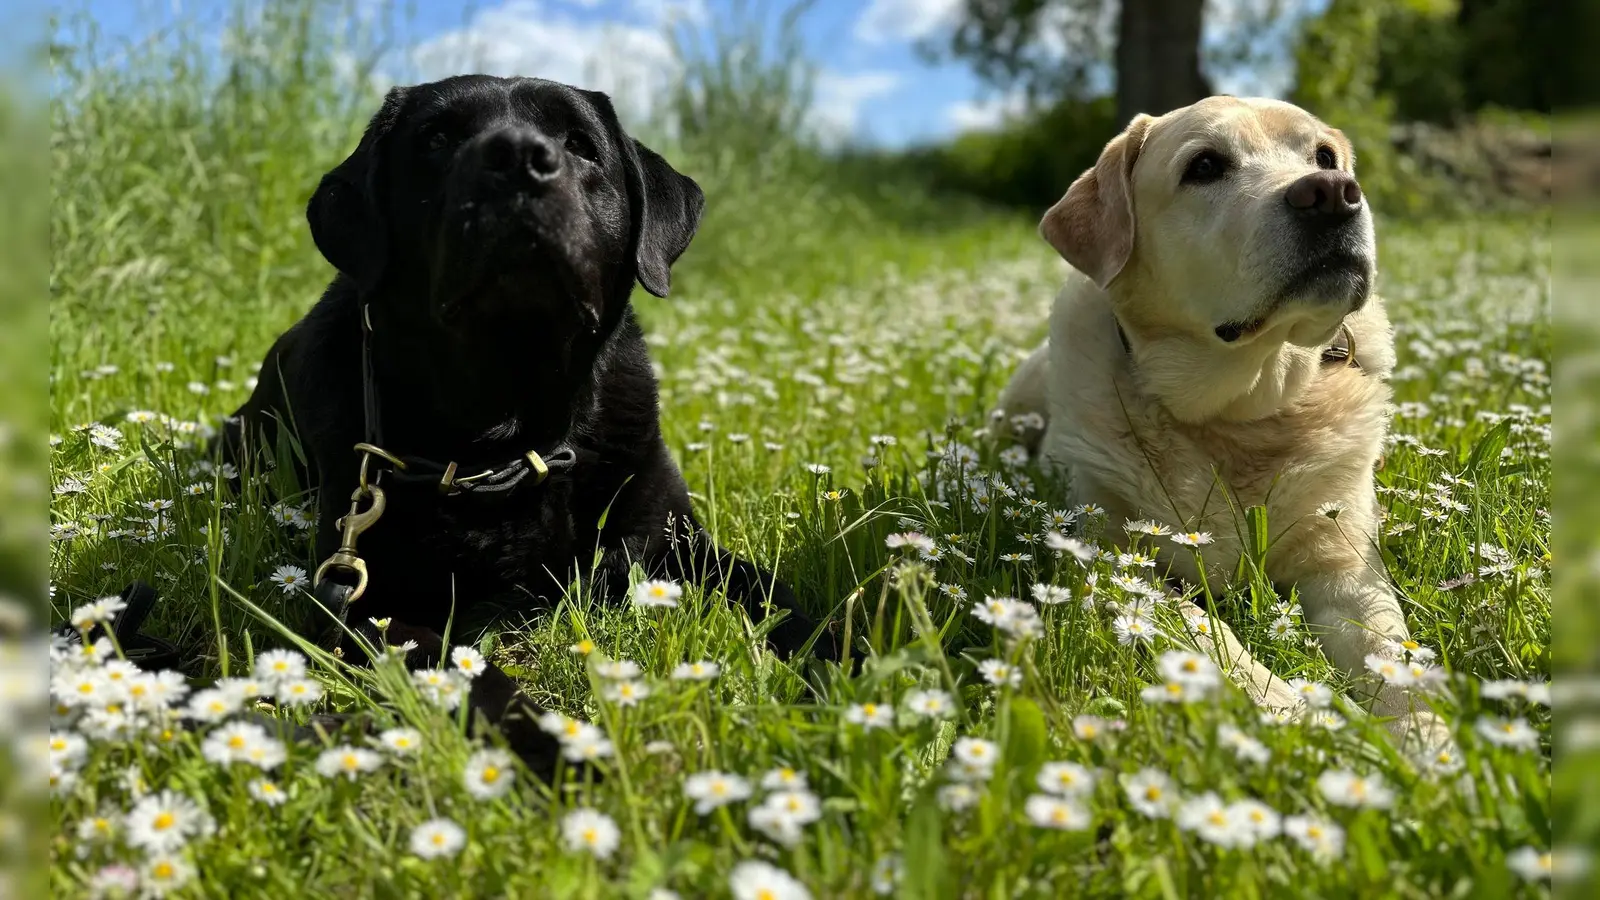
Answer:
[(521, 153), (1331, 195)]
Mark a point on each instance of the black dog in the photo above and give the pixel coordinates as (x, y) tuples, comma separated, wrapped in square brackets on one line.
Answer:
[(490, 231)]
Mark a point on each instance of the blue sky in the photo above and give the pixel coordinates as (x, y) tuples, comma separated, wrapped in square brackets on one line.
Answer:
[(871, 84)]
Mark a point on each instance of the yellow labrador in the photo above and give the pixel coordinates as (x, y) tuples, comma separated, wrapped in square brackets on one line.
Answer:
[(1219, 347)]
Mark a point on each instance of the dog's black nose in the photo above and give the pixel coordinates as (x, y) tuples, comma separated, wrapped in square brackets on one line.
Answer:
[(1330, 196), (521, 154)]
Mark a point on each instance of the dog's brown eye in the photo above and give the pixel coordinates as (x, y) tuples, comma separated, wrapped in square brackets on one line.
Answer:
[(578, 144), (435, 140), (1326, 159), (1205, 168)]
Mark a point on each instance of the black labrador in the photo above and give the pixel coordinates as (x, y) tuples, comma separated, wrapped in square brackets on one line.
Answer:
[(487, 234)]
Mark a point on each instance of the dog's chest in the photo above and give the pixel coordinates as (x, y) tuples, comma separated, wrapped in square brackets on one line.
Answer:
[(1137, 461)]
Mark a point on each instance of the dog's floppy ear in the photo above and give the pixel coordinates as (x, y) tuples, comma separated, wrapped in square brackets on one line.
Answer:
[(1092, 225), (346, 220), (666, 212)]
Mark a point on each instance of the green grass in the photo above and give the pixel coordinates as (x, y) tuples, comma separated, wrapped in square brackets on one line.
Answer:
[(810, 318)]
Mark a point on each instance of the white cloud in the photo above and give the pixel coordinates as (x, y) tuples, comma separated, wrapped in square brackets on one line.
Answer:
[(837, 99), (987, 113), (887, 21), (630, 60)]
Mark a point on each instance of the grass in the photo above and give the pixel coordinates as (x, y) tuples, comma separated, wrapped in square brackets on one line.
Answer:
[(811, 326)]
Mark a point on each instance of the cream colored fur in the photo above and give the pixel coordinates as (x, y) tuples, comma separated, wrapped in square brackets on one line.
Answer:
[(1190, 430)]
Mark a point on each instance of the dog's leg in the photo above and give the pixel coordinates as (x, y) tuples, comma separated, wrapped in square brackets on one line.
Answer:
[(1214, 638), (1355, 614), (1027, 394)]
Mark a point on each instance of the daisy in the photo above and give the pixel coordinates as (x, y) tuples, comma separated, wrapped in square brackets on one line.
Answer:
[(214, 704), (627, 693), (437, 838), (1066, 779), (115, 880), (1050, 594), (267, 792), (1245, 748), (489, 774), (67, 749), (932, 704), (1257, 821), (233, 742), (1133, 629), (351, 762), (1193, 669), (583, 647), (1208, 817), (1345, 788), (704, 670), (589, 745), (1087, 727), (401, 741), (783, 778), (1317, 836), (278, 666), (1282, 629), (870, 715), (710, 790), (957, 797), (288, 578), (1529, 863), (975, 752), (784, 814), (96, 612), (591, 831), (1151, 793), (1314, 694), (1060, 813), (618, 670), (1440, 760), (1000, 673), (442, 689), (1391, 671), (1192, 538), (164, 822), (1325, 719), (468, 662), (1410, 649), (163, 872), (756, 880), (887, 873), (299, 692), (657, 594), (1514, 733), (1072, 547)]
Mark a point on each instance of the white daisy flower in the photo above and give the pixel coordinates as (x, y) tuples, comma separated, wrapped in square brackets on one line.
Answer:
[(1314, 694), (627, 693), (1050, 594), (1192, 538), (1316, 835), (215, 704), (289, 579), (163, 873), (164, 822), (96, 612), (1344, 788), (930, 704), (1256, 821), (1151, 793), (588, 745), (1000, 673), (1067, 779), (1530, 863), (299, 692), (489, 774), (657, 594), (347, 761), (1073, 547), (783, 778), (1514, 733), (1191, 669), (976, 756), (437, 839), (870, 715), (1088, 728), (267, 792), (401, 741), (1061, 813), (756, 880), (710, 790), (618, 670), (887, 873), (957, 797), (1245, 748), (467, 662), (278, 666), (68, 749), (1133, 629), (590, 831), (704, 670)]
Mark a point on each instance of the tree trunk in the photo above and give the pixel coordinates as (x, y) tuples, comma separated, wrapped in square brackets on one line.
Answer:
[(1158, 57)]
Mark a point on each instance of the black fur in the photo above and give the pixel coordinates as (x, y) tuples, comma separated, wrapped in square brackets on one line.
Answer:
[(494, 229)]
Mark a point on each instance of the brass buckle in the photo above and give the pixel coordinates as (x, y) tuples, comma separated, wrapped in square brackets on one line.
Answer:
[(353, 524), (541, 471)]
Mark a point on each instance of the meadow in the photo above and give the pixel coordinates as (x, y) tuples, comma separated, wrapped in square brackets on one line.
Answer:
[(828, 364)]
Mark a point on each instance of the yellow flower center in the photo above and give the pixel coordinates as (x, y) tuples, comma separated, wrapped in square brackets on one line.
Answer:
[(766, 894), (1217, 818), (585, 647), (590, 836), (491, 774), (236, 742), (349, 761), (1058, 815), (162, 871), (85, 687), (870, 709), (1152, 793), (163, 821), (570, 728), (438, 839)]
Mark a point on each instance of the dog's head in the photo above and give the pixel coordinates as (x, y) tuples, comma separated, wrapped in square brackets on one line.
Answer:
[(483, 202), (1232, 221)]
